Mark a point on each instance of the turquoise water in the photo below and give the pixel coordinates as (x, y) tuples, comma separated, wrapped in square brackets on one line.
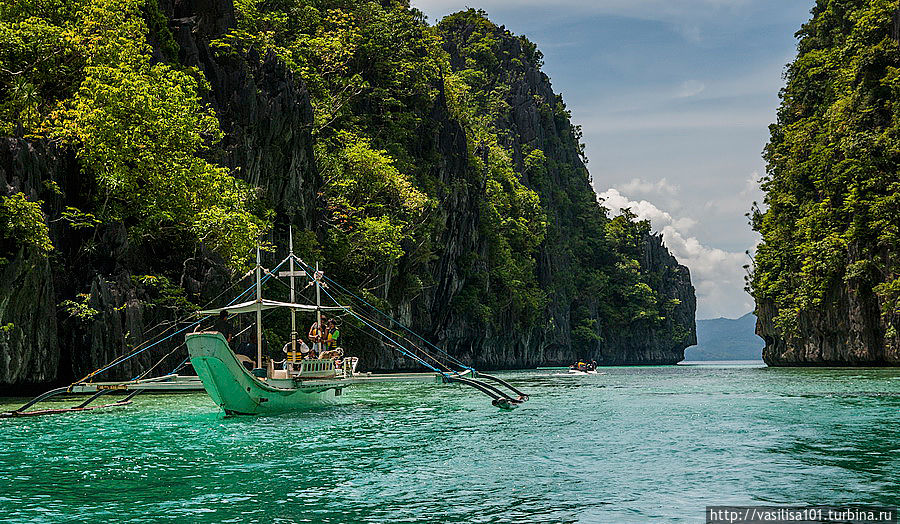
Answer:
[(651, 444)]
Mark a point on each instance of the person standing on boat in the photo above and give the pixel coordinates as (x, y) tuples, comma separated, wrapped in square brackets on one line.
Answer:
[(302, 350), (316, 336), (334, 335), (223, 326)]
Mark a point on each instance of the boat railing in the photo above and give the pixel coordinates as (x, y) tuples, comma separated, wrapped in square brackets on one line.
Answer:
[(348, 366), (326, 368), (317, 368)]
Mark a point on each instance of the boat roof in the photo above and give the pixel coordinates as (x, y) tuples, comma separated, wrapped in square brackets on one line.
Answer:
[(250, 307)]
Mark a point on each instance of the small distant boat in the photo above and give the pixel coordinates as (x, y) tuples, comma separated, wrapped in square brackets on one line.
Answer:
[(583, 368)]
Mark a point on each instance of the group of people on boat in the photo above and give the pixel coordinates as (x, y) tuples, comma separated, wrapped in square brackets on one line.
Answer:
[(584, 366), (324, 338)]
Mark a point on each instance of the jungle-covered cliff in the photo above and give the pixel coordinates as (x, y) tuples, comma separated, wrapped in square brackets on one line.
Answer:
[(826, 278), (149, 145)]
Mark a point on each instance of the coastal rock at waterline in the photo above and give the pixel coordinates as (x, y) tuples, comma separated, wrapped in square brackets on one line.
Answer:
[(847, 330), (646, 345), (29, 350)]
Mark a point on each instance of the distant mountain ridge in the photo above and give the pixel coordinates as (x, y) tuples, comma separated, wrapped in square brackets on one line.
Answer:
[(726, 339)]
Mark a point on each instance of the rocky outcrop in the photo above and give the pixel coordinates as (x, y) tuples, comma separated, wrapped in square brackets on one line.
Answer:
[(825, 275), (656, 344), (263, 110), (848, 330), (29, 346), (504, 344), (535, 121), (266, 116), (29, 349)]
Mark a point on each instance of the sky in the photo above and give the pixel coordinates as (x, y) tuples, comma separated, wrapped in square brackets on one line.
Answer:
[(675, 99)]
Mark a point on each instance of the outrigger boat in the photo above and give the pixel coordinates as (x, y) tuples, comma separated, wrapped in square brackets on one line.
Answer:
[(295, 383), (303, 384)]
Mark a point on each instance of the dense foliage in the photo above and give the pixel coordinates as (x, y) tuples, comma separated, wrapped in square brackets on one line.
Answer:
[(382, 84), (832, 214), (375, 71), (603, 280), (80, 73), (22, 225)]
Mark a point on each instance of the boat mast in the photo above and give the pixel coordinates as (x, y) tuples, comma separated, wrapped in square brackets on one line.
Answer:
[(258, 311), (293, 301), (318, 305)]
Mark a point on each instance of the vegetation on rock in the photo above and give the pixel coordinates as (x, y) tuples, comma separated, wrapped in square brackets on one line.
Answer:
[(832, 207), (408, 121), (80, 73)]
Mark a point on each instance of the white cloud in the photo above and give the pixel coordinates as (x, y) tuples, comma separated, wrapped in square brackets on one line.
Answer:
[(690, 88), (717, 275), (686, 17), (644, 187), (739, 203), (664, 10)]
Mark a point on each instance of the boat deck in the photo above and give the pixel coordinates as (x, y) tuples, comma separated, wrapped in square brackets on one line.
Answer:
[(161, 384), (177, 383), (370, 378)]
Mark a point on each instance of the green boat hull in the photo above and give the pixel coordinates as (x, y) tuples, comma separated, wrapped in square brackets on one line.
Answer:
[(238, 392)]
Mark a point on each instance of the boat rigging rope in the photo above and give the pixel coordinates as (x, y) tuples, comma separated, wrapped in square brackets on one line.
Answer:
[(158, 362), (402, 337), (426, 354), (138, 350), (389, 330), (400, 347), (499, 397), (392, 319), (177, 368)]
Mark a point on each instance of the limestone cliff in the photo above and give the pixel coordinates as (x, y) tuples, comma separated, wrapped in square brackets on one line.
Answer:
[(826, 277), (849, 330), (536, 121), (29, 346), (265, 113)]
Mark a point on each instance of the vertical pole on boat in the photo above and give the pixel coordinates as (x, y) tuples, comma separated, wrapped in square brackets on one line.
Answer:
[(258, 311), (318, 304), (293, 301)]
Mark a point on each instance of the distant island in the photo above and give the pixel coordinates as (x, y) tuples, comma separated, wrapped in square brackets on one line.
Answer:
[(726, 339)]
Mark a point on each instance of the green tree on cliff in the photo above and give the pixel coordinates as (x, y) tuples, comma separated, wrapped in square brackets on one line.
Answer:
[(832, 205), (80, 73), (375, 71)]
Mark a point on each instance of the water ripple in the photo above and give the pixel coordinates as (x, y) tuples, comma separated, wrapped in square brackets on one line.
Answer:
[(633, 445)]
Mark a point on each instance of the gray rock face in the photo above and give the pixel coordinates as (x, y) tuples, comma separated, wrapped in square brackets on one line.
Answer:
[(896, 28), (29, 348), (848, 330), (29, 352), (644, 345), (266, 116), (263, 110), (530, 124)]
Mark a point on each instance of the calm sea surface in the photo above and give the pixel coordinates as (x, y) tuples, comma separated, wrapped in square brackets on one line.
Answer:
[(653, 444)]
